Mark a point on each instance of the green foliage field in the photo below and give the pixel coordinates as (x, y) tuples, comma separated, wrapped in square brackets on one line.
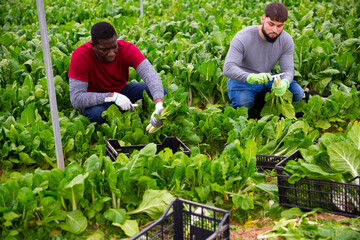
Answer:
[(187, 42)]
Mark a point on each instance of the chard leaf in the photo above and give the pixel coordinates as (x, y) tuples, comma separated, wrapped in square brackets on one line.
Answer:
[(179, 171), (301, 48), (75, 222), (55, 176), (9, 217), (74, 190), (243, 201), (315, 172), (28, 115), (50, 209), (349, 44), (269, 188), (320, 85), (203, 192), (154, 203), (26, 203), (250, 150), (329, 138), (280, 129), (139, 161), (344, 158), (130, 227), (208, 68), (5, 199), (297, 125), (26, 159), (116, 215), (287, 109), (354, 135), (295, 177), (292, 213), (331, 107), (323, 124), (348, 59)]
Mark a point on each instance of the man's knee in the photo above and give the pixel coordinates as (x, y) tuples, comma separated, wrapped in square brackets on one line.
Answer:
[(241, 99), (96, 118), (94, 114), (297, 91), (298, 95), (237, 103)]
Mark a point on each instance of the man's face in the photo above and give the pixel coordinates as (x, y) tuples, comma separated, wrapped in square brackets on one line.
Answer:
[(271, 29), (106, 49)]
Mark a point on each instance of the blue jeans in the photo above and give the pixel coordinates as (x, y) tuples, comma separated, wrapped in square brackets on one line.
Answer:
[(244, 94), (134, 91)]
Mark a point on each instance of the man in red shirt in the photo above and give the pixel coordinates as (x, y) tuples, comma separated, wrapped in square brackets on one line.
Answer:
[(99, 73)]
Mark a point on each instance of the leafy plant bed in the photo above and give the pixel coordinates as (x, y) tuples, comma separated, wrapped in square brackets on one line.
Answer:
[(339, 198)]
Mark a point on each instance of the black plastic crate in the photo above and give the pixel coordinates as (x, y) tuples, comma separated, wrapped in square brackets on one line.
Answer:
[(113, 147), (267, 162), (307, 194), (185, 219)]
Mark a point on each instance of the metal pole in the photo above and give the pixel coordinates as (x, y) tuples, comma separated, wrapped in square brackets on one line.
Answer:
[(50, 83), (141, 8)]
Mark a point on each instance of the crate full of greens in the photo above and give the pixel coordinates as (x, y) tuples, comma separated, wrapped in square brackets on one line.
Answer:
[(325, 175)]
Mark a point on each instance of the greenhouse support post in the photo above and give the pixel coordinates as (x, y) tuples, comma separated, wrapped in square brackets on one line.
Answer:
[(50, 83)]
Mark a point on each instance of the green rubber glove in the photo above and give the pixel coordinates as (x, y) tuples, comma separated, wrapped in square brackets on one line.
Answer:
[(260, 78), (280, 90)]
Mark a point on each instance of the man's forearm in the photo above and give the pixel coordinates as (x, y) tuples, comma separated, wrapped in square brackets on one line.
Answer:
[(233, 58), (80, 98), (286, 63), (233, 72), (147, 73)]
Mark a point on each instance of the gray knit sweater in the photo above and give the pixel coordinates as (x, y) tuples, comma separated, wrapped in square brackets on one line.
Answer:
[(249, 53)]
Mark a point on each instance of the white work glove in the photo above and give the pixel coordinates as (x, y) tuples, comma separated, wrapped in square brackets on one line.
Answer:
[(153, 120), (121, 101)]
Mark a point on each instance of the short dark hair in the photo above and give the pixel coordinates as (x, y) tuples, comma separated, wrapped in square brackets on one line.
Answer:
[(102, 31), (276, 11)]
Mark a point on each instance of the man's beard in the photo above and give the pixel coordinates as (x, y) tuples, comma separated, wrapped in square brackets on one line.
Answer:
[(267, 37)]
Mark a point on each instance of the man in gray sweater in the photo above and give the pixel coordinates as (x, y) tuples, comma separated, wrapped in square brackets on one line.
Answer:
[(253, 53), (99, 71)]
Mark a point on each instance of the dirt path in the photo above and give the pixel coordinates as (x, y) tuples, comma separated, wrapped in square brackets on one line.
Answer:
[(248, 233), (262, 226)]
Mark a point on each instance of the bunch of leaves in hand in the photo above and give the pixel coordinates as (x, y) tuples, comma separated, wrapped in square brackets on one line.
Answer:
[(171, 111), (278, 105)]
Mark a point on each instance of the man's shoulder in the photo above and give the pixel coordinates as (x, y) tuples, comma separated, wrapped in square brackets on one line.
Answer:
[(247, 30), (285, 36), (123, 43), (83, 49), (247, 33)]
